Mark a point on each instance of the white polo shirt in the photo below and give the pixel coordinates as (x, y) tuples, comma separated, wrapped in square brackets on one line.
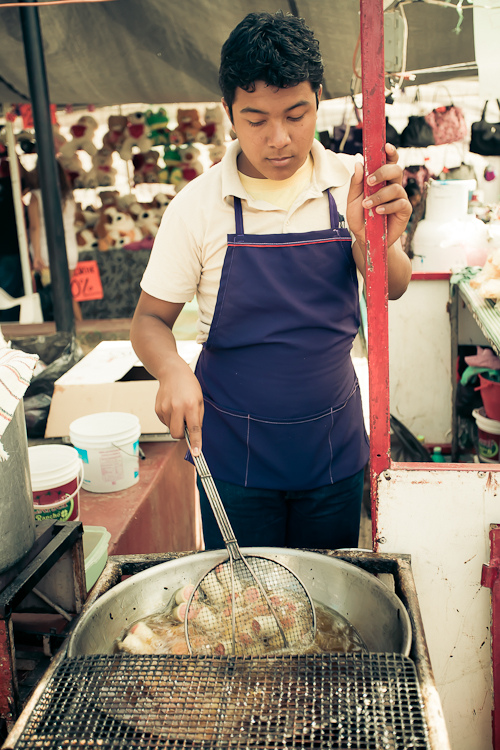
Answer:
[(190, 247)]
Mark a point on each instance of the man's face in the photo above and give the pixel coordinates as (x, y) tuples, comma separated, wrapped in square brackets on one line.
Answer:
[(275, 128)]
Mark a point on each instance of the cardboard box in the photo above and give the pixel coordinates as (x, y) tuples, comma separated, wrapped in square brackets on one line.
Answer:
[(109, 378)]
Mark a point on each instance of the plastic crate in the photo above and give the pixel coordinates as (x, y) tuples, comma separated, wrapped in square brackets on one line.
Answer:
[(95, 550)]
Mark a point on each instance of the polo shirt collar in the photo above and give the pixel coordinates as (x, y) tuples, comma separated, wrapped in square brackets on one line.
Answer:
[(328, 172)]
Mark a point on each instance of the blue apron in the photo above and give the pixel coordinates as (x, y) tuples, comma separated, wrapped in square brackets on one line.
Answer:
[(282, 402)]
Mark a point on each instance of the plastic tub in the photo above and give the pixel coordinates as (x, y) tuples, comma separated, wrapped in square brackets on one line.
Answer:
[(108, 444), (56, 478), (490, 393), (95, 550), (488, 432)]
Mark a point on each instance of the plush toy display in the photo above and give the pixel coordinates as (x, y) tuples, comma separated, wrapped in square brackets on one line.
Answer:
[(135, 135), (114, 138), (157, 125), (188, 127), (212, 132), (146, 167), (487, 281), (82, 135), (102, 173)]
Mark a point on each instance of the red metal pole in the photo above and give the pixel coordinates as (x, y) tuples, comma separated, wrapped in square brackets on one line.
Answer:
[(491, 579), (373, 90)]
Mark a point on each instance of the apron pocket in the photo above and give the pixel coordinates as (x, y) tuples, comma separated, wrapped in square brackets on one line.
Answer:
[(293, 455)]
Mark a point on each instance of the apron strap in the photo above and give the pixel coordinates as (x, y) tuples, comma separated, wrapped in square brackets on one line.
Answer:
[(334, 214), (238, 216)]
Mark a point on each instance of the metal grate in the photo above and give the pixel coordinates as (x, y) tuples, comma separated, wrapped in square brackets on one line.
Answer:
[(345, 701)]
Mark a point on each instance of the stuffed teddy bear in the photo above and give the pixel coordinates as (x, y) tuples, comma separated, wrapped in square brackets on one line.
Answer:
[(82, 135), (135, 135), (76, 174), (113, 139), (188, 127), (487, 281), (212, 132), (146, 167), (115, 229), (190, 167), (102, 173), (157, 125)]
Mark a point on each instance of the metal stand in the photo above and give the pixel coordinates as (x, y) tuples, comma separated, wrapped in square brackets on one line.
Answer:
[(55, 566)]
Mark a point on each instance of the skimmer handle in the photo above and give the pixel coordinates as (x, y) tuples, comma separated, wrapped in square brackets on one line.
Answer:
[(215, 500)]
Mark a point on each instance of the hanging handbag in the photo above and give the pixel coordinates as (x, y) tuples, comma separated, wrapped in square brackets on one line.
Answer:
[(485, 136), (348, 139), (447, 122), (417, 134)]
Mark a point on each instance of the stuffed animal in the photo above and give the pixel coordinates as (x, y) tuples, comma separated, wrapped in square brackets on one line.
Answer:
[(115, 229), (82, 134), (188, 127), (190, 167), (146, 167), (212, 132), (27, 142), (135, 135), (109, 198), (102, 173), (216, 153), (86, 240), (157, 125), (114, 138), (145, 219), (76, 174), (160, 203)]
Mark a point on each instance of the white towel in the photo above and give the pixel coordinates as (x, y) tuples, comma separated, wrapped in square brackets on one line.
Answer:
[(16, 371)]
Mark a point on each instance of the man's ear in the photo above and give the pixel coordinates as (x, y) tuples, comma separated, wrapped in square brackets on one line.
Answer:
[(318, 95), (227, 110)]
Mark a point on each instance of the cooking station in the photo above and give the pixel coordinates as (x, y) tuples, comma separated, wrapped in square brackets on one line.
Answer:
[(369, 701)]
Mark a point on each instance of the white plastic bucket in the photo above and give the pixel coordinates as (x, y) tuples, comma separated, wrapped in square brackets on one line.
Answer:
[(108, 445), (56, 478), (488, 434)]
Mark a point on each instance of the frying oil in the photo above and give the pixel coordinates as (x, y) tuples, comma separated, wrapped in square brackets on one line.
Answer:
[(334, 634)]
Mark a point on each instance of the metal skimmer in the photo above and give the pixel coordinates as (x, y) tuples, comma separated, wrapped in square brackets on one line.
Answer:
[(357, 701), (246, 605)]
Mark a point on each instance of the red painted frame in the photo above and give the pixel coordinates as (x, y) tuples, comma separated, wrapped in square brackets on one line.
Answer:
[(373, 91)]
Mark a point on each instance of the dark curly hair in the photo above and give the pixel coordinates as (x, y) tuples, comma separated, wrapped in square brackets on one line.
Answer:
[(275, 48)]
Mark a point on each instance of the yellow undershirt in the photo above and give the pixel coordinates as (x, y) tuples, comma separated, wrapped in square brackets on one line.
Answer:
[(280, 193)]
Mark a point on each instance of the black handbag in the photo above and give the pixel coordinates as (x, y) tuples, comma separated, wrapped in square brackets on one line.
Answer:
[(485, 136), (417, 134)]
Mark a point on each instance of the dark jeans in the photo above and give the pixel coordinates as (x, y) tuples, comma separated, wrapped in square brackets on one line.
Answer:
[(323, 518), (11, 281)]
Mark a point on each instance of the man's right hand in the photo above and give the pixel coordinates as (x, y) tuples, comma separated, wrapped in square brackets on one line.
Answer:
[(179, 403)]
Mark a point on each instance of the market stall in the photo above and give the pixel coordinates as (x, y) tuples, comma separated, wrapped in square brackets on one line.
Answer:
[(413, 504)]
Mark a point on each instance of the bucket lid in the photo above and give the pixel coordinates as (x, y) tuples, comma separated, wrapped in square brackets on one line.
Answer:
[(52, 465), (111, 426)]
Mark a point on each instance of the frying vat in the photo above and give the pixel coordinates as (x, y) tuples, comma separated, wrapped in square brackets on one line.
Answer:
[(370, 606)]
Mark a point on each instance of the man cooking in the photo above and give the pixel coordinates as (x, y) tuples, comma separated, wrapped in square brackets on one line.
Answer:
[(270, 241)]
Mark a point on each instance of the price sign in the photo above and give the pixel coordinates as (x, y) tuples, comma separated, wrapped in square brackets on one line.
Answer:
[(86, 281)]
